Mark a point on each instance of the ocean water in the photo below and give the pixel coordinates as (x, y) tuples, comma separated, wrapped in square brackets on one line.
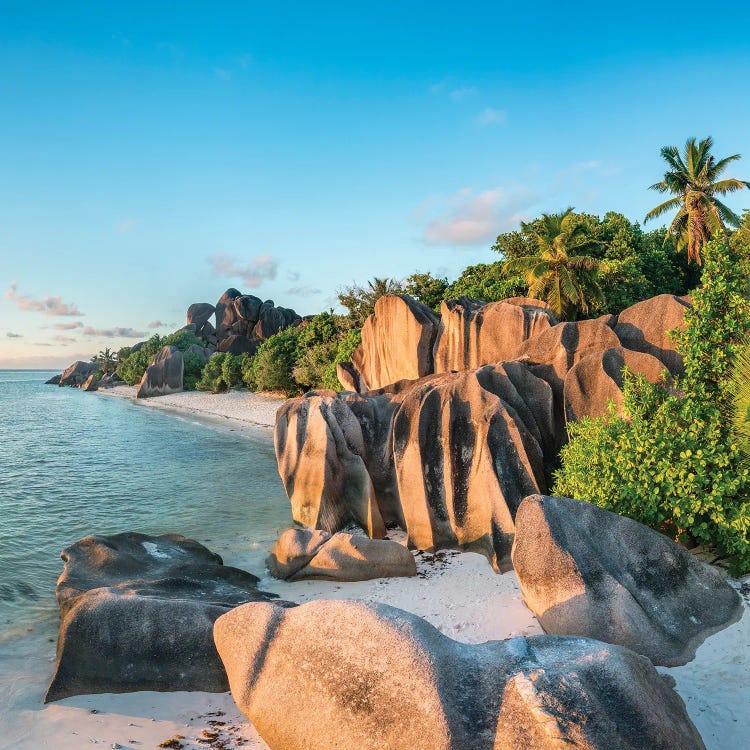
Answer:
[(75, 463)]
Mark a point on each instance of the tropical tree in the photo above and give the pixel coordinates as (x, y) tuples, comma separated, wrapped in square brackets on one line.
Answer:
[(360, 301), (560, 272), (693, 180), (106, 358)]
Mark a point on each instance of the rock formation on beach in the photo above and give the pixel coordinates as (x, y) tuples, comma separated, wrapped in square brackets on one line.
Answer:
[(377, 677), (137, 612), (586, 571), (165, 375), (77, 374), (301, 554)]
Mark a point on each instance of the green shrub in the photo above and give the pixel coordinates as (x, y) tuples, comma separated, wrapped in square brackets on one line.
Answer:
[(231, 370), (193, 370), (132, 364), (675, 463), (212, 377), (485, 282), (274, 362)]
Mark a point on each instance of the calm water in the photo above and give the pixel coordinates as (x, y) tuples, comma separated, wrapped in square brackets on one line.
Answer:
[(74, 463)]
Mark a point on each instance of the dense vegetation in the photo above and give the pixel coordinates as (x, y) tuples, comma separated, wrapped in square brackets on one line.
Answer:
[(675, 462), (132, 364)]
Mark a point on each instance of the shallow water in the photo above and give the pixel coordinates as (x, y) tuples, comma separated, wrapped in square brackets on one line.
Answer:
[(75, 463)]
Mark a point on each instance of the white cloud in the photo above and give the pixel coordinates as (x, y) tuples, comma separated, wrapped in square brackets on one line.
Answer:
[(158, 324), (468, 217), (253, 274), (113, 333), (63, 339), (453, 90), (490, 116), (53, 306), (303, 291), (68, 326)]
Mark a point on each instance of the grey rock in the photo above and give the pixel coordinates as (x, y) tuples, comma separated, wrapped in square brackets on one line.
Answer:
[(586, 571), (237, 345), (226, 313), (78, 373), (90, 384), (198, 314), (54, 380), (137, 612), (375, 677), (248, 308), (165, 375)]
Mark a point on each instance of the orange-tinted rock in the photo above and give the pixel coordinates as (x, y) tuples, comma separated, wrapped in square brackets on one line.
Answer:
[(473, 334), (644, 327), (596, 380), (397, 342)]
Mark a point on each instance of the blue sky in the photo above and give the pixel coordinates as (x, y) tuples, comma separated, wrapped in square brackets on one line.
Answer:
[(151, 157)]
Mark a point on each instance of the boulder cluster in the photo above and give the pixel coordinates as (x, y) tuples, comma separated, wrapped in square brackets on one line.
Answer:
[(452, 420)]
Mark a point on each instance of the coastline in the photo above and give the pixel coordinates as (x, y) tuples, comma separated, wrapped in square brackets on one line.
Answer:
[(459, 593)]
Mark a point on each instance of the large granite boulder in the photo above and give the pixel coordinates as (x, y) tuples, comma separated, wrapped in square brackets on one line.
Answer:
[(90, 384), (645, 327), (137, 613), (78, 373), (248, 308), (165, 375), (349, 674), (397, 343), (596, 380), (273, 319), (226, 313), (301, 554), (319, 450), (464, 460), (235, 344), (473, 334), (198, 314), (586, 571)]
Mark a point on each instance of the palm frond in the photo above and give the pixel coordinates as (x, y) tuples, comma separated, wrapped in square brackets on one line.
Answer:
[(662, 208)]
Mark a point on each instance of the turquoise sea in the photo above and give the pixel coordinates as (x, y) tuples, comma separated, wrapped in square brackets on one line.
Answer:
[(75, 463)]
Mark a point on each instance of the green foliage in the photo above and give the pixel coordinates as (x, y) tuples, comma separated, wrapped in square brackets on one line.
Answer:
[(485, 282), (193, 370), (426, 288), (274, 362), (692, 178), (132, 364), (212, 377), (360, 301), (231, 370), (675, 463), (561, 270), (740, 392)]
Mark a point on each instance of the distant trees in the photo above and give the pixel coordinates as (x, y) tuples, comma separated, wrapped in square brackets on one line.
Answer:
[(693, 180), (106, 359), (559, 271)]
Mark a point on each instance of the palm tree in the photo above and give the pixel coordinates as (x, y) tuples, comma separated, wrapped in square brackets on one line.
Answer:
[(360, 301), (560, 273), (692, 179), (106, 358)]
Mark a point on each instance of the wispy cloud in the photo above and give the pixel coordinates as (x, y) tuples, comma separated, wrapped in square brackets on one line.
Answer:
[(63, 339), (491, 116), (469, 217), (303, 291), (113, 333), (451, 89), (68, 326), (53, 306), (253, 274), (12, 335), (158, 324), (293, 275)]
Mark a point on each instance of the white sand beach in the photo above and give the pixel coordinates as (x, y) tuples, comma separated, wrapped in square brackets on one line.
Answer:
[(457, 592)]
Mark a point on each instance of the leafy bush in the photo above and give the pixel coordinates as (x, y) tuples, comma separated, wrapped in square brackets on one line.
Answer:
[(485, 282), (426, 288), (231, 370), (675, 463), (274, 362), (212, 377), (132, 364), (193, 370)]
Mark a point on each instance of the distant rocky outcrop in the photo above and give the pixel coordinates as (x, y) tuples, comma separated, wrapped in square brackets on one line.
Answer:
[(645, 327), (374, 677), (165, 375), (448, 457), (137, 613), (301, 554), (54, 380), (90, 384), (473, 334), (78, 373), (586, 571)]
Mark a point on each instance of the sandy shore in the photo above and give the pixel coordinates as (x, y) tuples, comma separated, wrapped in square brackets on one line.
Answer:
[(235, 411), (458, 593)]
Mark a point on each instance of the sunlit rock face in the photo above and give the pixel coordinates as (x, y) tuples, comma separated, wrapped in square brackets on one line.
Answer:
[(448, 457), (378, 678), (165, 375), (397, 343), (597, 379), (645, 327), (473, 334), (586, 571)]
